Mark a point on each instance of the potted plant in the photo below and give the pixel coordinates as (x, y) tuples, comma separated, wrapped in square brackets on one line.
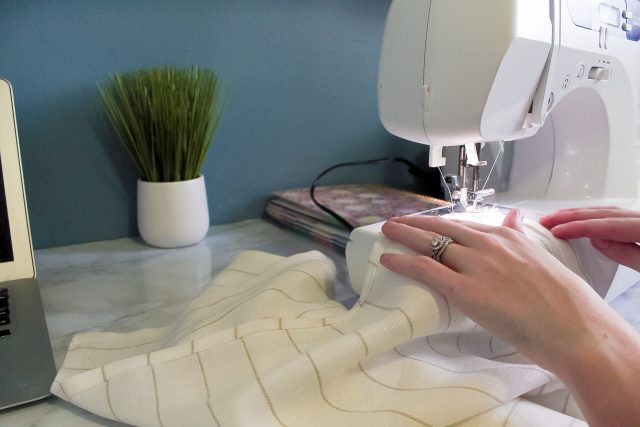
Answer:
[(166, 118)]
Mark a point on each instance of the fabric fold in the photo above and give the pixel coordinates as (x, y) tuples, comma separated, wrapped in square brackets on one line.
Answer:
[(266, 344)]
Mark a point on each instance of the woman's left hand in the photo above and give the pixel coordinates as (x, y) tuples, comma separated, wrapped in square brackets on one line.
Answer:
[(517, 290), (505, 282)]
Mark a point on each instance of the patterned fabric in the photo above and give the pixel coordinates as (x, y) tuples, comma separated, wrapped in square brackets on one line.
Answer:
[(266, 345), (357, 204)]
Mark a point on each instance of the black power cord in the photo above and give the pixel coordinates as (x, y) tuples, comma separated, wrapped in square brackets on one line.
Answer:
[(413, 170)]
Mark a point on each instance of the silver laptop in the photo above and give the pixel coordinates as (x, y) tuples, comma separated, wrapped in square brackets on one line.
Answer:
[(26, 361)]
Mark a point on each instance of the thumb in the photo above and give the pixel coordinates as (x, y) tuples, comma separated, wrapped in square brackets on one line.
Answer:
[(623, 253), (513, 220)]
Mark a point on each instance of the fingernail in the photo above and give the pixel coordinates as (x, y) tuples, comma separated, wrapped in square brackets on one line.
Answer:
[(384, 258)]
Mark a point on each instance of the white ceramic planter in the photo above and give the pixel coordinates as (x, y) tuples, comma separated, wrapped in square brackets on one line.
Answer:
[(173, 214)]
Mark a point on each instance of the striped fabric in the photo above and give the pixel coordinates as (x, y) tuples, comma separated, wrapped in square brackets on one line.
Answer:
[(266, 345)]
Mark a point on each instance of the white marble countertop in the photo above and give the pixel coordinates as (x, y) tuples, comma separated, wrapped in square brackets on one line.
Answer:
[(123, 285)]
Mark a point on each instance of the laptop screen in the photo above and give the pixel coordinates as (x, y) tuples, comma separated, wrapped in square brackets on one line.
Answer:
[(6, 250), (16, 254)]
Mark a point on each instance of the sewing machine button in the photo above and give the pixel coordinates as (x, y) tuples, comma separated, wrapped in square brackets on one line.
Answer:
[(627, 14), (599, 73), (627, 27)]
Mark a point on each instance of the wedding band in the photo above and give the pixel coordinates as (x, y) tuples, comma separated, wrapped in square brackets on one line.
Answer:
[(438, 246)]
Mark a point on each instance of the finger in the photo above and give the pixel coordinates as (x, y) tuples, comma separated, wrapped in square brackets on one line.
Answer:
[(513, 220), (414, 238), (612, 229), (420, 241), (623, 253), (588, 208), (566, 216), (460, 233), (494, 230), (424, 269), (478, 226)]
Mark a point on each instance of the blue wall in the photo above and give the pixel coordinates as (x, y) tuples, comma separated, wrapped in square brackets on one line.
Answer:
[(302, 75)]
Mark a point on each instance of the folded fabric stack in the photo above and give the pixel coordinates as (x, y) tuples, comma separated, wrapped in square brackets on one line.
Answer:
[(357, 204)]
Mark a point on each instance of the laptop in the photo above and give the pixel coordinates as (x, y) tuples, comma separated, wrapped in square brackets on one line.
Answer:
[(27, 368)]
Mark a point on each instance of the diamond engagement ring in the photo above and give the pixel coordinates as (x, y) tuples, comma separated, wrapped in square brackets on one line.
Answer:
[(438, 246)]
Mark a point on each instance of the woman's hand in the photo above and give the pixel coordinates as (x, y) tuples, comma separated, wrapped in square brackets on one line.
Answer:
[(499, 278), (613, 231), (518, 291)]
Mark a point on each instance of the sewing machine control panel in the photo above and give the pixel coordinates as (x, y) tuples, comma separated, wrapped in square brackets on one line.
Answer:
[(611, 18)]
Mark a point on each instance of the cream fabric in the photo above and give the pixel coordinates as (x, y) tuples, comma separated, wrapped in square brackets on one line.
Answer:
[(266, 345)]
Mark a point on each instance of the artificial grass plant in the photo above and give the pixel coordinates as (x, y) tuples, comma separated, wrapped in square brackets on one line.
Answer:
[(166, 117)]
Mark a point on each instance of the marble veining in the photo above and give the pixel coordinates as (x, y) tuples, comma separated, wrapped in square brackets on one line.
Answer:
[(123, 285)]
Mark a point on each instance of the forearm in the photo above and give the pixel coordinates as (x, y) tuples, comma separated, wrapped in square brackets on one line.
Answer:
[(604, 375)]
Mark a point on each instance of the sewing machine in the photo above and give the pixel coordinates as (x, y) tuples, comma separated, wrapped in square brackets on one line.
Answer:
[(559, 78)]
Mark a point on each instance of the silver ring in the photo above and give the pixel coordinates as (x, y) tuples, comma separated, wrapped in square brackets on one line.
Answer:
[(438, 246)]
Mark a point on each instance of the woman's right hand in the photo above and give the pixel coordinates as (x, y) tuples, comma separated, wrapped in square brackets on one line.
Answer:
[(613, 231)]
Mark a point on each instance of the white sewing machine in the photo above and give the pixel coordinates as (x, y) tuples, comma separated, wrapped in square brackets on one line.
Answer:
[(559, 77)]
